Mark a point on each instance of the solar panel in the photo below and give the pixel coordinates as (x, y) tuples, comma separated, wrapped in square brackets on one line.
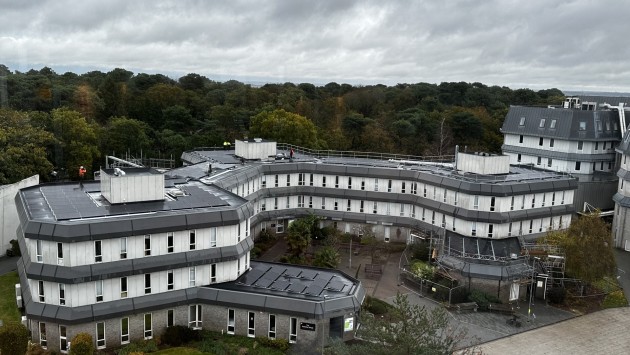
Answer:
[(314, 290), (297, 287), (280, 285), (251, 277), (336, 286), (263, 282), (292, 272), (308, 274)]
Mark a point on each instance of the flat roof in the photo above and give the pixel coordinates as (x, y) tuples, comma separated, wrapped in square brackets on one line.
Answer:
[(70, 201)]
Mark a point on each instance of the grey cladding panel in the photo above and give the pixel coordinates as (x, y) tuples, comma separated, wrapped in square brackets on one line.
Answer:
[(111, 229), (159, 224)]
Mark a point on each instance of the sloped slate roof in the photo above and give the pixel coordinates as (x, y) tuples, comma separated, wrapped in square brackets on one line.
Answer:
[(567, 124)]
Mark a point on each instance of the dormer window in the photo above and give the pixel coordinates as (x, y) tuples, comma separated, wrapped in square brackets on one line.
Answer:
[(583, 126), (599, 126), (542, 123), (552, 125), (522, 122)]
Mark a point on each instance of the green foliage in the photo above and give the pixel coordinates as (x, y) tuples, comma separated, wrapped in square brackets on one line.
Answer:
[(376, 306), (299, 235), (8, 309), (141, 346), (588, 247), (177, 335), (13, 338), (327, 257), (482, 299), (615, 299), (36, 349), (284, 126), (280, 344), (416, 331), (422, 270), (82, 344), (15, 248)]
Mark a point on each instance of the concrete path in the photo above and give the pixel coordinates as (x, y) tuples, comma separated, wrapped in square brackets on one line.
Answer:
[(8, 264), (623, 270)]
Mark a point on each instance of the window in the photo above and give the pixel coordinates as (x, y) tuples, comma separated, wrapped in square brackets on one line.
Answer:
[(213, 237), (362, 188), (99, 290), (580, 145), (59, 253), (375, 207), (543, 200), (552, 125), (310, 179), (263, 181), (388, 210), (455, 200), (272, 326), (310, 202), (444, 197), (473, 230), (251, 324), (375, 184), (423, 213), (123, 287), (170, 318), (63, 339), (531, 224), (191, 276), (324, 181), (147, 284), (169, 280), (40, 291), (533, 201), (336, 182), (518, 158), (523, 202), (583, 126), (230, 323), (124, 330), (433, 217), (348, 206), (492, 200), (275, 203), (476, 202), (292, 330), (539, 161), (414, 188), (288, 180), (276, 181), (402, 209), (213, 273), (510, 229), (413, 211), (38, 251), (443, 221), (389, 186), (147, 245), (170, 247), (98, 251), (100, 335), (123, 248), (542, 123), (194, 316), (42, 335), (361, 206), (301, 179), (599, 125), (402, 188), (62, 294), (522, 121), (577, 165), (192, 238), (562, 201), (300, 201), (560, 223), (349, 183), (541, 141), (512, 204), (520, 138), (336, 205), (490, 230), (551, 142), (549, 162), (597, 146), (148, 326), (424, 192)]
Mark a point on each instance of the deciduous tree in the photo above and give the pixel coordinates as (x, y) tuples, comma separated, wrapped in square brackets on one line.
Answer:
[(284, 126)]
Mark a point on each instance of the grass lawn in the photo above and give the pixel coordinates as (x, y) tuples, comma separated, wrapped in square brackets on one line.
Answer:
[(179, 351), (8, 307)]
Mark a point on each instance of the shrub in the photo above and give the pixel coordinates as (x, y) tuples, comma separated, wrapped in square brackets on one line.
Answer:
[(178, 335), (376, 306), (255, 252), (82, 344), (36, 349), (265, 236), (442, 289), (615, 299), (482, 299), (420, 251), (212, 346), (422, 270), (13, 338), (557, 295), (280, 344), (142, 347), (15, 247)]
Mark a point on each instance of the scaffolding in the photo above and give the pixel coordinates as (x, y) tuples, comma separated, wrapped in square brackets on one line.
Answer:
[(549, 262)]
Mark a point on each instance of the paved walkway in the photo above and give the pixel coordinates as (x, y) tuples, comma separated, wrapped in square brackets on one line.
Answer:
[(8, 264)]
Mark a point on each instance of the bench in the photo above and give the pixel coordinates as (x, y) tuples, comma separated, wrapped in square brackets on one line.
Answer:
[(501, 308), (466, 306)]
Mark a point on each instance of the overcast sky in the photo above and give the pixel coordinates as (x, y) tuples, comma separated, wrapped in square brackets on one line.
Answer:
[(571, 45)]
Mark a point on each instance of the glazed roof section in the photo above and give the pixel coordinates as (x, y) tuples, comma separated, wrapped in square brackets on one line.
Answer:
[(570, 124), (53, 211), (611, 100)]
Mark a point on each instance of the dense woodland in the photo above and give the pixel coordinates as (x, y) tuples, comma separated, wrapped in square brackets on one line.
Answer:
[(61, 121)]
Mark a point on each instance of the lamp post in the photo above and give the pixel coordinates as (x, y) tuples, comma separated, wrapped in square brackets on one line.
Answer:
[(531, 289), (323, 323)]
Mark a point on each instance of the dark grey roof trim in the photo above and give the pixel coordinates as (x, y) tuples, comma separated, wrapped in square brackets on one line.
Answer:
[(128, 267), (621, 200), (624, 174), (301, 307), (545, 153)]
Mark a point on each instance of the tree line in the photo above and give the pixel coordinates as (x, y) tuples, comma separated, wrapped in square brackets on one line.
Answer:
[(60, 121)]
